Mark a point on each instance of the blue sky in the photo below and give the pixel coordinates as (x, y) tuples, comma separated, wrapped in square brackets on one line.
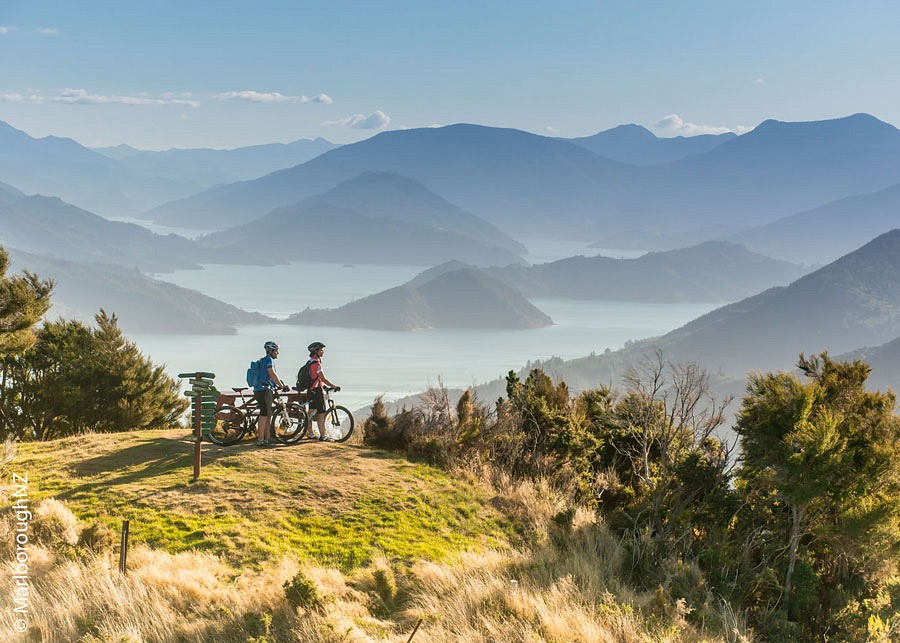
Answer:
[(223, 74)]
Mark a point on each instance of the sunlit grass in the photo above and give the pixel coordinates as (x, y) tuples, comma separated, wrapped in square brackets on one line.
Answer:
[(334, 504)]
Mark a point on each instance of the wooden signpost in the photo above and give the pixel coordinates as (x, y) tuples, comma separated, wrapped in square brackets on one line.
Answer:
[(203, 408)]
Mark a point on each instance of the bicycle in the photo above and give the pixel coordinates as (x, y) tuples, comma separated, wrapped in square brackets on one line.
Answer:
[(339, 421), (289, 421)]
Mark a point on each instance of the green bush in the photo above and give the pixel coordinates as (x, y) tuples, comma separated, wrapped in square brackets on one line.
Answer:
[(302, 591)]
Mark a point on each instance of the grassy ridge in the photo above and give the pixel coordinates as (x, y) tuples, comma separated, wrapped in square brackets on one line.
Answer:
[(335, 504)]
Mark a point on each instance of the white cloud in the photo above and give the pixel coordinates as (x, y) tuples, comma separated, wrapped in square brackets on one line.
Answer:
[(48, 31), (551, 130), (375, 120), (4, 30), (759, 81), (21, 98), (676, 126), (82, 97), (273, 97)]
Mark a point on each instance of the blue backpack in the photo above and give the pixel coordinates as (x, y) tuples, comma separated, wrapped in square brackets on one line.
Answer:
[(255, 375)]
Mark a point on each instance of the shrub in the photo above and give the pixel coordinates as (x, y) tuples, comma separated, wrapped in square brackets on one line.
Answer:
[(301, 591)]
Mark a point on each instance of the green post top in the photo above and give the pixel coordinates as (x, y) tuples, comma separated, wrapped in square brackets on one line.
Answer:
[(197, 374)]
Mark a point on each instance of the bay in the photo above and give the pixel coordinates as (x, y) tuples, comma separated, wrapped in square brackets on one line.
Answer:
[(394, 364)]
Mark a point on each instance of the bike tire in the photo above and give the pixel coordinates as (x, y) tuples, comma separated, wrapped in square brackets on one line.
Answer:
[(288, 424), (231, 425), (339, 424)]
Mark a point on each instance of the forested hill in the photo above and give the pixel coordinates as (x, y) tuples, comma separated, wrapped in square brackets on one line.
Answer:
[(376, 217), (851, 303), (142, 304), (461, 298), (713, 271), (50, 226)]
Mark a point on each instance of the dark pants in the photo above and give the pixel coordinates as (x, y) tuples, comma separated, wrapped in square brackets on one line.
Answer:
[(316, 397), (265, 398)]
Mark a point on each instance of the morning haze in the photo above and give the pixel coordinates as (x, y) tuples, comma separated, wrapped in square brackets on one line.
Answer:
[(608, 300)]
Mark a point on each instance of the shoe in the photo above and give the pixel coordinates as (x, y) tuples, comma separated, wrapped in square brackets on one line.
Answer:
[(314, 436), (325, 438), (261, 443)]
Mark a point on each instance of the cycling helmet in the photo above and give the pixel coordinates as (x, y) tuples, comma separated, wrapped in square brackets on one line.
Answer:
[(270, 346), (315, 346)]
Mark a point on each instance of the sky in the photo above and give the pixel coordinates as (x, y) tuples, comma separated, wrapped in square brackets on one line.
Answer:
[(225, 74)]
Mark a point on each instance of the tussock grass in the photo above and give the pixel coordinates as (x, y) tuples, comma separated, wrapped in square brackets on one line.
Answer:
[(561, 582), (564, 589)]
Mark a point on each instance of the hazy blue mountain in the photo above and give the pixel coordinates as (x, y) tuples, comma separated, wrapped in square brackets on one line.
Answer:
[(885, 363), (49, 226), (774, 171), (511, 178), (209, 167), (463, 298), (852, 302), (61, 167), (711, 271), (118, 152), (143, 305), (8, 191), (376, 217), (637, 145), (823, 234)]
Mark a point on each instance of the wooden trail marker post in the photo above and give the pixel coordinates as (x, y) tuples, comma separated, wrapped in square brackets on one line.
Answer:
[(203, 408)]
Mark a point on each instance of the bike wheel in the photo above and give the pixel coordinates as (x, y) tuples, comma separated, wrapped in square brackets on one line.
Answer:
[(339, 424), (231, 424), (288, 424)]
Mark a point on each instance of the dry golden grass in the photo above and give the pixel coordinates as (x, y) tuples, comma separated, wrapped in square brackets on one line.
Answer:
[(559, 592), (564, 587)]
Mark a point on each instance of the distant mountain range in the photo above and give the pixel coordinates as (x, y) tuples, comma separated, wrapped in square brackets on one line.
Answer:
[(521, 181), (456, 298), (850, 303), (376, 217), (637, 145), (885, 363), (60, 167), (823, 234), (657, 194), (208, 167), (49, 226), (143, 305), (712, 271), (511, 178)]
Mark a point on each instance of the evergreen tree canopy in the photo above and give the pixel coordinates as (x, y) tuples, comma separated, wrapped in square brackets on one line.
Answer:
[(23, 301), (824, 455), (77, 379)]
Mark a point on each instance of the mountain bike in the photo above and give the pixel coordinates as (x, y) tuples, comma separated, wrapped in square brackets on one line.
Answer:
[(339, 421), (289, 421)]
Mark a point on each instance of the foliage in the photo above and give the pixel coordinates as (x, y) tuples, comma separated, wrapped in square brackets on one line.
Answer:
[(302, 591), (23, 301), (821, 467), (77, 379)]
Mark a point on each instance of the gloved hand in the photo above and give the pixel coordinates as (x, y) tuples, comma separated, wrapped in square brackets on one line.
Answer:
[(337, 388), (285, 388)]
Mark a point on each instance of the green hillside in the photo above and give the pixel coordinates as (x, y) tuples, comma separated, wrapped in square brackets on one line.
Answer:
[(338, 505)]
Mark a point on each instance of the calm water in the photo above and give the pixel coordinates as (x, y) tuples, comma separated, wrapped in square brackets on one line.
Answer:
[(368, 362)]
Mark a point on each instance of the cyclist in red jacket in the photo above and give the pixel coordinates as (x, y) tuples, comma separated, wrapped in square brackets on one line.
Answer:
[(315, 394)]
